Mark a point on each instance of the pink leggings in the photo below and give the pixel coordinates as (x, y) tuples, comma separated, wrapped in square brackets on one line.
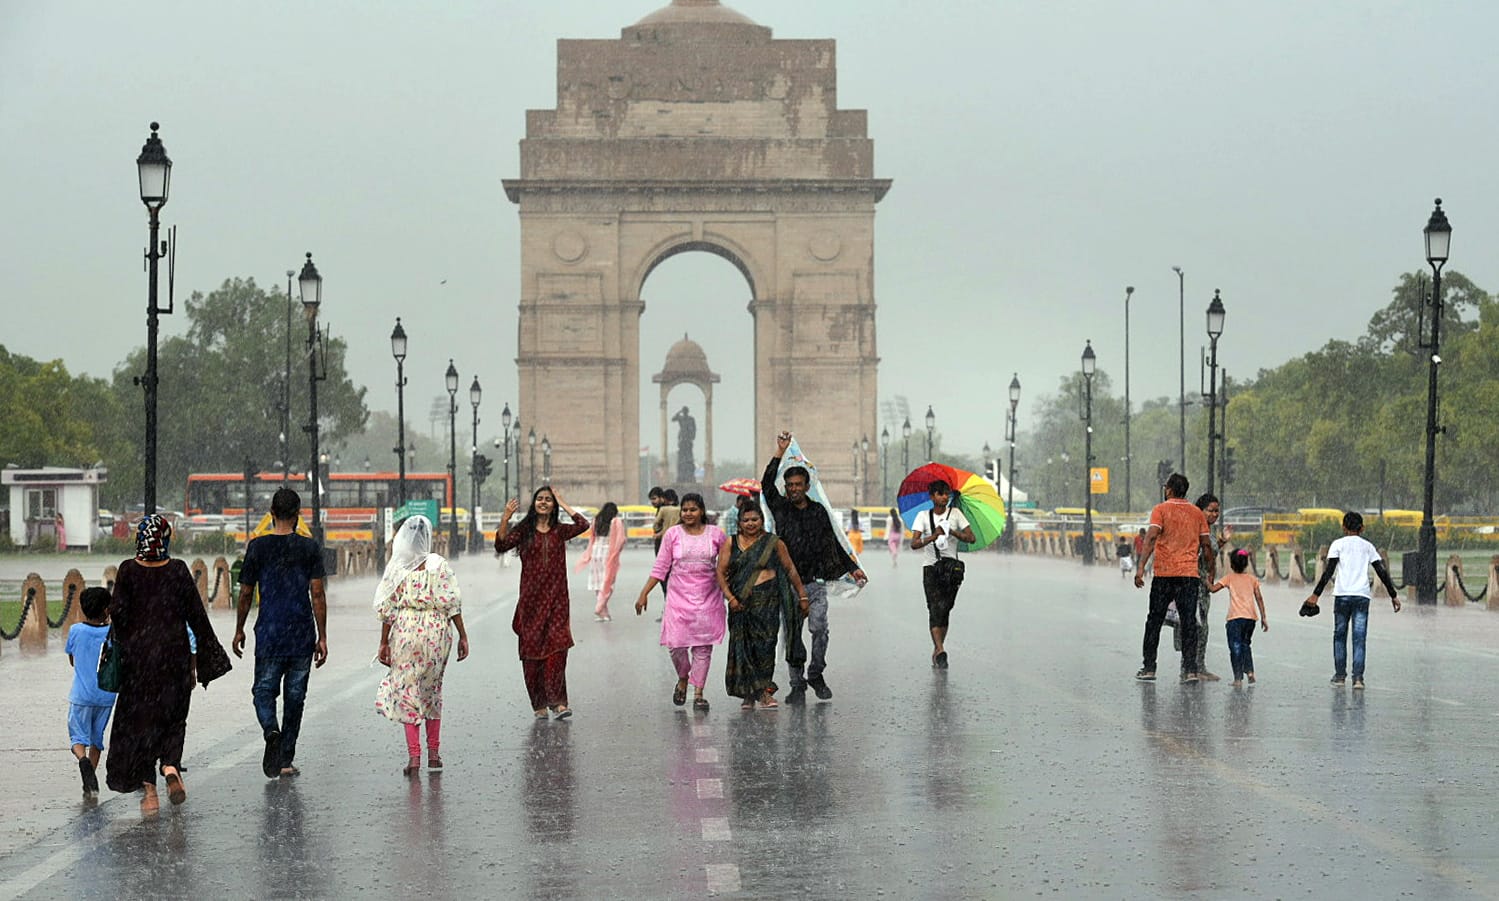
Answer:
[(414, 737), (692, 663)]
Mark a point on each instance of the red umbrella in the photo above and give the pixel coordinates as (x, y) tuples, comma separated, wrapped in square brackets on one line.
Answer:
[(741, 487)]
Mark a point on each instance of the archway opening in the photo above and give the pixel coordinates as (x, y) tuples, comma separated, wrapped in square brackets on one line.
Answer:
[(703, 294)]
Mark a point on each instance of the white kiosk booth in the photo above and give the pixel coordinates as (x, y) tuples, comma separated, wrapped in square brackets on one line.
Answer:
[(54, 502)]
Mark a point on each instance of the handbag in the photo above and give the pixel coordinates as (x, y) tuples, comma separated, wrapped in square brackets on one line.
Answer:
[(950, 570), (111, 667)]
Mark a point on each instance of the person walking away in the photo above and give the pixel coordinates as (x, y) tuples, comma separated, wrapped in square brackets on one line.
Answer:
[(1124, 551), (291, 629), (89, 706), (693, 620), (1243, 598), (605, 542), (155, 601), (761, 584), (855, 533), (894, 532), (542, 621), (938, 531), (1180, 532), (420, 607), (1211, 510), (818, 556), (1348, 562)]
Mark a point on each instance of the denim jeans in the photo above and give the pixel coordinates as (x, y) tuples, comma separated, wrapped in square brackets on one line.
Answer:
[(270, 675), (1240, 634), (1347, 607), (1164, 590), (817, 624)]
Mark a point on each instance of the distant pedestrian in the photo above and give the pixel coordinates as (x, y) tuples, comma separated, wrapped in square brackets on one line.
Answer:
[(1348, 562), (1245, 606), (605, 543), (756, 575), (1180, 531), (894, 534), (420, 608), (89, 706), (938, 530), (542, 621), (818, 555), (855, 533), (668, 514), (155, 602), (291, 629), (1124, 550), (693, 620)]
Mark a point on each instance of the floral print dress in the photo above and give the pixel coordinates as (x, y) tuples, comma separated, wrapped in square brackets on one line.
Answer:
[(421, 637)]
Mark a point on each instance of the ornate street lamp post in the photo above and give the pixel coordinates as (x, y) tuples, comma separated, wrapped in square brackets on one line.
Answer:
[(505, 475), (1215, 331), (531, 443), (450, 381), (1090, 365), (1010, 524), (1438, 243), (285, 435), (1181, 303), (311, 285), (885, 465), (905, 451), (1129, 460), (861, 489), (475, 394), (398, 350), (546, 460), (154, 169), (931, 429)]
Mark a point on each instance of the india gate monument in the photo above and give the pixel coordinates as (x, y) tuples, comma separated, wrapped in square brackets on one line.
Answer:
[(697, 130)]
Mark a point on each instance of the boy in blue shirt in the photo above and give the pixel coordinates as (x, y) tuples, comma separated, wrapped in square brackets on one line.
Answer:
[(89, 705)]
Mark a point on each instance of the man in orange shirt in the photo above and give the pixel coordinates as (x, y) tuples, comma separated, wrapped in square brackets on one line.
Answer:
[(1178, 529)]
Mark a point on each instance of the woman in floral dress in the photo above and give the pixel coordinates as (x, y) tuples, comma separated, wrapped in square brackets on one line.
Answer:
[(693, 620), (416, 600), (542, 621)]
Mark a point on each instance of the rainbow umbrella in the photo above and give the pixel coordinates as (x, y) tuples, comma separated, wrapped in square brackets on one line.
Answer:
[(973, 494)]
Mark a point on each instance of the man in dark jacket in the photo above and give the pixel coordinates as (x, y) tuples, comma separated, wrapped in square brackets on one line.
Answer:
[(818, 555)]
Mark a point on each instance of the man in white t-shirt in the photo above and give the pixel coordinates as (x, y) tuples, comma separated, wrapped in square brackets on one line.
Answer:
[(1348, 562), (939, 530)]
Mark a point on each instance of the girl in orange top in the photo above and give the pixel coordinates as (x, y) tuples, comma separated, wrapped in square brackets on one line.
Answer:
[(1244, 596)]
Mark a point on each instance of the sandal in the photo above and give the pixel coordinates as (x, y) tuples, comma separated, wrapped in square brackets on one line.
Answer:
[(562, 711), (434, 763), (150, 803), (769, 703), (679, 694), (541, 713), (700, 704), (413, 767), (748, 703), (176, 792)]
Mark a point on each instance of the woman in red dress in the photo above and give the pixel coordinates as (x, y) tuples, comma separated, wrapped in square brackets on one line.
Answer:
[(542, 621)]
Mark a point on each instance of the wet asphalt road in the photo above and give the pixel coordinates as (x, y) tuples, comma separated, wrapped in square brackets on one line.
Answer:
[(1035, 766)]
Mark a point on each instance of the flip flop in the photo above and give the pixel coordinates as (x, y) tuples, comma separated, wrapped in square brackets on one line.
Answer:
[(700, 704), (679, 693), (176, 792)]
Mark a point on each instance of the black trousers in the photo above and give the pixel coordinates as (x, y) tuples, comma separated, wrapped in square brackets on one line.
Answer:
[(1164, 590), (939, 599)]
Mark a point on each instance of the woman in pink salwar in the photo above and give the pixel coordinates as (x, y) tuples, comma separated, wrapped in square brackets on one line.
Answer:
[(602, 558), (695, 618)]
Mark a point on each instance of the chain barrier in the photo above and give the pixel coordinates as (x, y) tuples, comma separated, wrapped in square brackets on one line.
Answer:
[(1464, 589), (25, 610), (67, 607), (1254, 567), (218, 576), (1301, 565)]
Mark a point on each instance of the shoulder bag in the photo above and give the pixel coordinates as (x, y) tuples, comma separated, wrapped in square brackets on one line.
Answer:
[(111, 667), (950, 570)]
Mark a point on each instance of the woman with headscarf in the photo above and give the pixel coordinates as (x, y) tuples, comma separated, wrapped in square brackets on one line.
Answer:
[(416, 601), (155, 602), (602, 558), (542, 621), (756, 575)]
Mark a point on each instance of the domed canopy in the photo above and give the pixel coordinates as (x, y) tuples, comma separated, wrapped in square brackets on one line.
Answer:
[(686, 361), (709, 12)]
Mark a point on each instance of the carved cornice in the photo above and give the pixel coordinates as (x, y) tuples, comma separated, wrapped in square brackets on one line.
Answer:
[(872, 187)]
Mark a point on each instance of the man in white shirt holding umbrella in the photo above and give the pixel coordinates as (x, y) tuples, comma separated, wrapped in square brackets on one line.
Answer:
[(939, 530)]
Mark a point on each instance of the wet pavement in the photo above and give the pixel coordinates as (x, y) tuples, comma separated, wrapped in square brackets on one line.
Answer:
[(1034, 766)]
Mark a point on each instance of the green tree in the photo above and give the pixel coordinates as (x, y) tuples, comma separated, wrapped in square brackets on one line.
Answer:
[(52, 418), (221, 388)]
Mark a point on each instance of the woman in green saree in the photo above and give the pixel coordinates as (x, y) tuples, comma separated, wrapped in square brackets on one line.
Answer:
[(756, 575)]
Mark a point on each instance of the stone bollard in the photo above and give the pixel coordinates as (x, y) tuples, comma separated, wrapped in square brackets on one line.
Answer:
[(1272, 565), (200, 578), (1321, 561), (1295, 578), (33, 635), (110, 572), (1493, 589), (72, 597), (221, 593), (1454, 593)]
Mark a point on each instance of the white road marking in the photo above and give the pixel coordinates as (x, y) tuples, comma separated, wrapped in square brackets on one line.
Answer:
[(723, 878), (709, 788), (1448, 701), (701, 730), (707, 755), (716, 829)]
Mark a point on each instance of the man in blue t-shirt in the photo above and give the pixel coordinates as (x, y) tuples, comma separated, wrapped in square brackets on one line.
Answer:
[(291, 631)]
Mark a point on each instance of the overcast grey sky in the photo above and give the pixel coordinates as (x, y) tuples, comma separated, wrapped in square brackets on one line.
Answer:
[(1045, 155)]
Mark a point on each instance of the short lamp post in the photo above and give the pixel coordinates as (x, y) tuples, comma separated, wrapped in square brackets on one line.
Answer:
[(546, 460), (931, 431), (1215, 331), (1438, 243), (475, 394), (1090, 366), (1010, 437), (450, 381), (505, 470), (884, 465), (154, 168), (1129, 460), (398, 350), (311, 285), (531, 443), (905, 450)]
